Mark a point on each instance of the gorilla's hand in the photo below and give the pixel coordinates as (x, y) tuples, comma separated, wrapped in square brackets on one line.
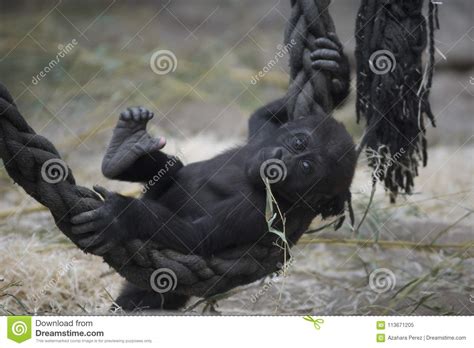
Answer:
[(329, 56), (99, 230)]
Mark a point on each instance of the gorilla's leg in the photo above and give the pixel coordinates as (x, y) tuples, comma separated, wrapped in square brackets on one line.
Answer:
[(130, 141), (133, 298)]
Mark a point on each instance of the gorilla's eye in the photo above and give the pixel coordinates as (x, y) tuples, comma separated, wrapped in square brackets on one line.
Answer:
[(306, 167), (299, 144)]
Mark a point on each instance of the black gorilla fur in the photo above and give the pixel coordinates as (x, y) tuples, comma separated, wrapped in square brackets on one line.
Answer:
[(212, 205), (208, 206)]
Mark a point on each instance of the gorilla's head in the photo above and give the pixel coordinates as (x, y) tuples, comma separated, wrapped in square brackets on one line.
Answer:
[(309, 160)]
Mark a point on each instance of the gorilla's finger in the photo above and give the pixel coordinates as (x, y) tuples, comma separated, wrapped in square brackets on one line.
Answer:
[(328, 65), (159, 143), (102, 191), (92, 226), (126, 115), (91, 241), (144, 113), (86, 217), (326, 53), (326, 43), (333, 36), (103, 249), (135, 112)]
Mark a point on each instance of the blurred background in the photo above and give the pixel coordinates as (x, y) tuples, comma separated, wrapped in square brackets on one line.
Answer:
[(72, 66)]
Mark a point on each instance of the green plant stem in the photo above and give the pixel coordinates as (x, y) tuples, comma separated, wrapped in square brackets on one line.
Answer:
[(386, 243)]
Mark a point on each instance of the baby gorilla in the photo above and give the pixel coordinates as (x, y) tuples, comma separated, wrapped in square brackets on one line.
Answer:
[(210, 206)]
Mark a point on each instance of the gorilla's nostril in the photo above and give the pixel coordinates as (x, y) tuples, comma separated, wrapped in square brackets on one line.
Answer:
[(277, 153)]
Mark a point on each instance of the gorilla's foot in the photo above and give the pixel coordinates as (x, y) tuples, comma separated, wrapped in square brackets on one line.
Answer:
[(130, 141), (134, 299)]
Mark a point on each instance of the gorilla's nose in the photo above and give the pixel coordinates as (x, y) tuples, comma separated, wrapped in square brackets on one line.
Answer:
[(276, 153)]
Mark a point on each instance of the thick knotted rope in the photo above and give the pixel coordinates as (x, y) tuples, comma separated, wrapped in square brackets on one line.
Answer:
[(25, 155), (393, 87), (308, 90)]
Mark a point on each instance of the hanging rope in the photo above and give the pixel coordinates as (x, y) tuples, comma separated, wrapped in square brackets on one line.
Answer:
[(307, 91), (393, 88)]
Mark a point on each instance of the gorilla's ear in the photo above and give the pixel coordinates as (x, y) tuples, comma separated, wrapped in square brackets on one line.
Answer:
[(335, 206)]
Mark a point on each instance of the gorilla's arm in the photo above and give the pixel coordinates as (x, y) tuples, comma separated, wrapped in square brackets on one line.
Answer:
[(269, 117)]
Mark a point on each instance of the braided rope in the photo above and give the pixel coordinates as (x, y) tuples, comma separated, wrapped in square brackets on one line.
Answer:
[(307, 92)]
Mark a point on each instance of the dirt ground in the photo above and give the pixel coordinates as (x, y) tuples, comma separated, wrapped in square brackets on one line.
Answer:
[(423, 245)]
